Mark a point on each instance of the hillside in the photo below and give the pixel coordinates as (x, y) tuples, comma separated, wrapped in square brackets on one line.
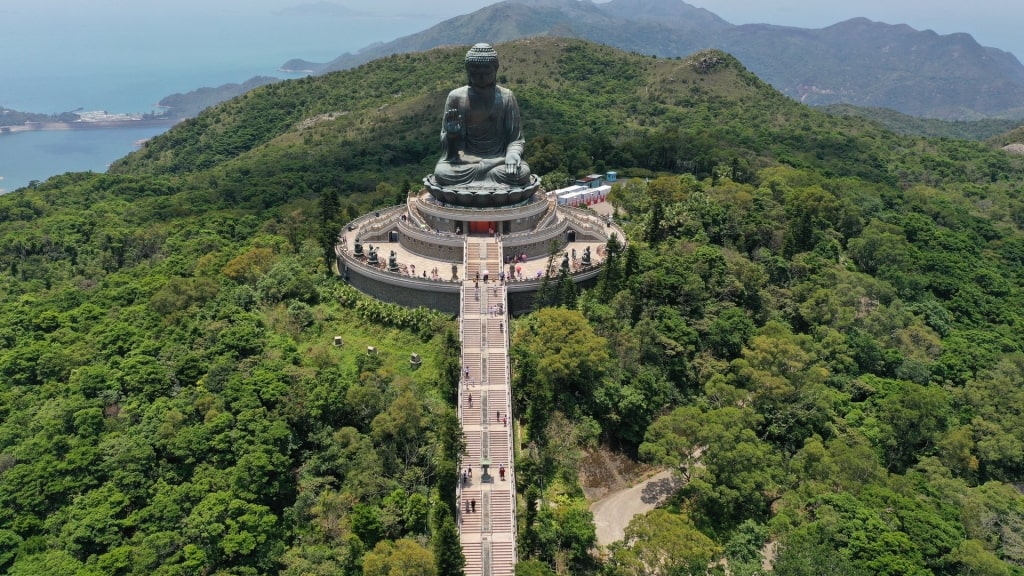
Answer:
[(912, 125), (10, 117), (629, 110), (856, 62), (817, 324), (1013, 137)]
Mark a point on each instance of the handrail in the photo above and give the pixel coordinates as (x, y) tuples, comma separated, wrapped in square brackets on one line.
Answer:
[(375, 222), (425, 233), (397, 278), (508, 402), (585, 220), (534, 237), (461, 388)]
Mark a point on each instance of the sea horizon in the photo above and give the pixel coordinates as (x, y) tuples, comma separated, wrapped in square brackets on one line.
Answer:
[(131, 77), (31, 156)]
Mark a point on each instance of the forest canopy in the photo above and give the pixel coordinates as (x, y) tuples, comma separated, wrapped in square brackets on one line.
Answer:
[(815, 322)]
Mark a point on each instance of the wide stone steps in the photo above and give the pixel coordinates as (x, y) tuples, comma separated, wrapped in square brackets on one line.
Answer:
[(477, 266), (472, 333), (471, 360), (472, 410), (503, 558), (470, 521), (496, 367), (473, 554), (489, 443), (495, 329), (488, 534), (473, 448), (482, 304), (482, 406), (501, 508)]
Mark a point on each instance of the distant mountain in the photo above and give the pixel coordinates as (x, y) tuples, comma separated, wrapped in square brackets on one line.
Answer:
[(871, 64), (856, 62), (985, 129), (189, 104)]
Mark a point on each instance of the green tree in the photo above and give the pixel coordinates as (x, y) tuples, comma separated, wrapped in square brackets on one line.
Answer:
[(533, 568), (9, 543), (731, 474), (661, 543), (577, 534), (329, 208), (729, 333), (971, 557), (445, 543), (809, 553), (787, 384), (571, 358), (911, 420), (403, 557)]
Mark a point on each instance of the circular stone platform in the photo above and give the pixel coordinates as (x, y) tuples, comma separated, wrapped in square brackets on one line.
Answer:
[(430, 238), (481, 195)]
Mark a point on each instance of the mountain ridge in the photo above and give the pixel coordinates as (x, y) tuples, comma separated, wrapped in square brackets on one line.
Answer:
[(857, 61)]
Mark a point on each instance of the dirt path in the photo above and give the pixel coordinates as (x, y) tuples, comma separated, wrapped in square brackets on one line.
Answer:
[(613, 512)]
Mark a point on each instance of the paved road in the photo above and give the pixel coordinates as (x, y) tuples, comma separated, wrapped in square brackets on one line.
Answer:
[(613, 512)]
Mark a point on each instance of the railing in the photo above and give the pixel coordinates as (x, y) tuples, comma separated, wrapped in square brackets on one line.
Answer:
[(586, 221), (371, 223), (461, 387), (396, 278), (411, 210), (426, 234), (550, 216), (508, 409), (534, 237)]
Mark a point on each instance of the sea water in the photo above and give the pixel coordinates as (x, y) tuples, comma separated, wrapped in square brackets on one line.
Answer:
[(127, 64), (35, 156)]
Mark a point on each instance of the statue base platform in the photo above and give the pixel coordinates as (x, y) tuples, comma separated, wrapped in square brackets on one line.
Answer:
[(439, 246), (481, 194)]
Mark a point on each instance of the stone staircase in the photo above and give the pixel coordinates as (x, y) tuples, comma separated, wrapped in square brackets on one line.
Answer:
[(489, 533)]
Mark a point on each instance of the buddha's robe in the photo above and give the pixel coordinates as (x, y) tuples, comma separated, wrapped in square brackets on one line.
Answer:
[(489, 133)]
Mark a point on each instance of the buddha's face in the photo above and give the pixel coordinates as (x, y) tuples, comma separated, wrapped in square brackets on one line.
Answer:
[(481, 75)]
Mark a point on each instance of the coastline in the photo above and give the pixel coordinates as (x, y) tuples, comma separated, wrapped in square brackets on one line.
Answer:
[(88, 125), (37, 154)]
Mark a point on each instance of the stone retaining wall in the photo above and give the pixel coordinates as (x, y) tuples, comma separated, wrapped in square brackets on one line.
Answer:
[(402, 290)]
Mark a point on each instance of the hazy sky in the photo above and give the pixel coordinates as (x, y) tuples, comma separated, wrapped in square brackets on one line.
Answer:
[(180, 45), (993, 23)]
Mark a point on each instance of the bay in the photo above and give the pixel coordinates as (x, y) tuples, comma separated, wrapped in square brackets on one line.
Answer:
[(36, 156), (125, 62)]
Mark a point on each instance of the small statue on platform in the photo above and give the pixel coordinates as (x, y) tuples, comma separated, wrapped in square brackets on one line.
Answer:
[(358, 249), (393, 262), (586, 256), (372, 261), (565, 262), (455, 272)]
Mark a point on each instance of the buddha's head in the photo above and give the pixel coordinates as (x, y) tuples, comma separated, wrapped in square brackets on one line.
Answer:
[(481, 66)]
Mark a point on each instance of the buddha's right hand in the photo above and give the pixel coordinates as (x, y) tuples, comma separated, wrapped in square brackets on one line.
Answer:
[(453, 123)]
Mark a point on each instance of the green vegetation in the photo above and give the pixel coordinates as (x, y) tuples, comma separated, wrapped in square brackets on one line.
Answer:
[(10, 117), (816, 323), (173, 401), (912, 125), (192, 103)]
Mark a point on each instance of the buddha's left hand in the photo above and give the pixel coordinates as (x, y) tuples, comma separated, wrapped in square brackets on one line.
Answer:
[(512, 164)]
